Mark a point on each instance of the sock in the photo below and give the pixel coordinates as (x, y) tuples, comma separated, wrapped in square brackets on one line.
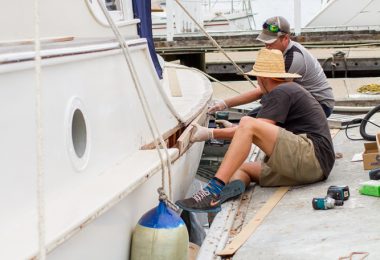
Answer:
[(215, 186)]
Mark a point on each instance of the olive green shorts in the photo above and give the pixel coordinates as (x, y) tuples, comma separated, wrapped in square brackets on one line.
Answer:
[(293, 162)]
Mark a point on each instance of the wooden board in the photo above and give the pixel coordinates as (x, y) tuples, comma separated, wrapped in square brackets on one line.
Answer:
[(334, 132), (175, 88), (183, 141), (193, 251), (248, 230), (165, 136)]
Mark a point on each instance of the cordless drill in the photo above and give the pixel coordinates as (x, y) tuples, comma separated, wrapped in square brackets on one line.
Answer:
[(336, 195), (326, 203), (219, 115), (338, 192)]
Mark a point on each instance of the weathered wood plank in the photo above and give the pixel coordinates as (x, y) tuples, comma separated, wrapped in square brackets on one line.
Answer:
[(183, 141)]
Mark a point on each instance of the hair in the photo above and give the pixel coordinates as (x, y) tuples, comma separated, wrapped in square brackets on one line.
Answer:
[(280, 79), (282, 36)]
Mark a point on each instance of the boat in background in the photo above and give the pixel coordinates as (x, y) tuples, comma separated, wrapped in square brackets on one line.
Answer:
[(365, 13), (79, 161), (215, 15)]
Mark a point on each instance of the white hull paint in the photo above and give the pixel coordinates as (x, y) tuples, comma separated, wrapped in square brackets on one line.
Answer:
[(348, 13), (104, 238), (99, 181), (69, 18)]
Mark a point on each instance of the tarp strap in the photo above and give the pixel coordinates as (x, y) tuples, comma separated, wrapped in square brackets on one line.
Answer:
[(142, 11)]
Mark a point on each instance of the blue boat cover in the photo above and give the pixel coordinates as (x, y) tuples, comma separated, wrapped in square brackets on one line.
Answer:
[(142, 10)]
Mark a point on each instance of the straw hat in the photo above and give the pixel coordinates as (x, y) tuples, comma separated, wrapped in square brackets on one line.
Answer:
[(270, 64)]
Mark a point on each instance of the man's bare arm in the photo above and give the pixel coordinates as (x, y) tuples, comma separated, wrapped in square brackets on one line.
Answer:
[(244, 98)]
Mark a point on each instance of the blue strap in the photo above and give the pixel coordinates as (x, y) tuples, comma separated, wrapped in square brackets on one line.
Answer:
[(142, 10)]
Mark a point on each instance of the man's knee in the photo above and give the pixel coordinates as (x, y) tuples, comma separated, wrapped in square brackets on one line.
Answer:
[(247, 123), (255, 127)]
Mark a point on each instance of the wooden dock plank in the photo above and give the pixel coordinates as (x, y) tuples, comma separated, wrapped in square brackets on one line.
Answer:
[(248, 230)]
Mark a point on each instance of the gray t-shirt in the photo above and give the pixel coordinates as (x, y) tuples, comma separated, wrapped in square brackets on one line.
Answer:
[(299, 60), (295, 109)]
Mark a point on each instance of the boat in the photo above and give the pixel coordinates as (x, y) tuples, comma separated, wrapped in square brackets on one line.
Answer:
[(214, 16), (357, 14), (81, 161)]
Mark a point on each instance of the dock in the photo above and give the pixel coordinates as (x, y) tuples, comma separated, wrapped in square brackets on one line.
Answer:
[(341, 52), (293, 229), (336, 62), (344, 90)]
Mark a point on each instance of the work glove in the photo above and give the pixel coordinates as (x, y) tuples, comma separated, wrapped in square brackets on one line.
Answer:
[(201, 133), (217, 105), (225, 123)]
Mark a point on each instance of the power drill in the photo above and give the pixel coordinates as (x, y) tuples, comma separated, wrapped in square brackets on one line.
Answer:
[(222, 115), (326, 203), (336, 195), (219, 115), (338, 192)]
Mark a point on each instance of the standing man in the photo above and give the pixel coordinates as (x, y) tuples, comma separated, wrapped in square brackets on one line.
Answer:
[(275, 34), (291, 129)]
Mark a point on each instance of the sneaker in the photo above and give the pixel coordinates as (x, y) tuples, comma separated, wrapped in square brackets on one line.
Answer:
[(232, 190), (202, 201)]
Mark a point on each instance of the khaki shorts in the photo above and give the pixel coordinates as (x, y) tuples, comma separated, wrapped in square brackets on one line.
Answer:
[(293, 162)]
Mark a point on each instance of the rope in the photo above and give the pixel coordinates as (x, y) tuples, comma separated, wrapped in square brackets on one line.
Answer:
[(216, 44), (163, 197), (39, 152), (143, 100)]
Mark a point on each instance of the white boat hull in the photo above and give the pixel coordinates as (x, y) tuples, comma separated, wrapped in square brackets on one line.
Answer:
[(97, 179), (109, 236)]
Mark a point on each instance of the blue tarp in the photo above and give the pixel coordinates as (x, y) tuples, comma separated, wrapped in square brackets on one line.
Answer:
[(142, 10)]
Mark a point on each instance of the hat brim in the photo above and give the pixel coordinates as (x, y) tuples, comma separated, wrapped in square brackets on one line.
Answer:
[(273, 75), (265, 38)]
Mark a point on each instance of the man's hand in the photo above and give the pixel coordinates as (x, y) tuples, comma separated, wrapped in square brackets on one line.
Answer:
[(225, 123), (218, 105), (201, 133)]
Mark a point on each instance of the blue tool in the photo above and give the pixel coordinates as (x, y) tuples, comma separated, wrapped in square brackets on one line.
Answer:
[(326, 203)]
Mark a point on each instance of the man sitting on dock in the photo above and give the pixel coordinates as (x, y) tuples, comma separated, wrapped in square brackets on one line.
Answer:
[(291, 129), (276, 35)]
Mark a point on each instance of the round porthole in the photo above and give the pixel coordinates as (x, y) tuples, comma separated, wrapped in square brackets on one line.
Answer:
[(78, 133)]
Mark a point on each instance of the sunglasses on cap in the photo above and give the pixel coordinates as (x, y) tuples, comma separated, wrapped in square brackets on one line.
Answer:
[(272, 28)]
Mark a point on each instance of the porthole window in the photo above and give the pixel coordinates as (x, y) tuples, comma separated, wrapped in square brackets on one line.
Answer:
[(79, 133)]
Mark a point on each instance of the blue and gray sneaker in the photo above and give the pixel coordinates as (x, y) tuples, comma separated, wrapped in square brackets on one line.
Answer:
[(232, 190), (201, 201)]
